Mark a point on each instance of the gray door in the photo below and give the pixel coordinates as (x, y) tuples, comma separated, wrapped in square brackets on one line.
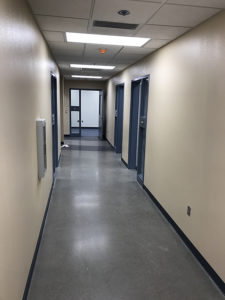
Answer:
[(118, 132)]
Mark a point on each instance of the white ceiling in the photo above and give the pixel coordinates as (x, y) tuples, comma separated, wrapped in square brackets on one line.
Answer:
[(160, 20)]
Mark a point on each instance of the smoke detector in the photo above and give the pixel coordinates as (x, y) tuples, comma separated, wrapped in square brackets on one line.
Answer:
[(124, 12)]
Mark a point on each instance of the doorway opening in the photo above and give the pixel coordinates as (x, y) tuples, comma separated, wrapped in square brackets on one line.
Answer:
[(55, 161), (138, 124), (86, 113), (118, 132)]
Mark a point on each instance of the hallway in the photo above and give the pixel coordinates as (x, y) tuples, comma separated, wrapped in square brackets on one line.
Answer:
[(105, 240)]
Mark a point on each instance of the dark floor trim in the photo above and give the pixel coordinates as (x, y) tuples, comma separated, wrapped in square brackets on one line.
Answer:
[(110, 144), (88, 148), (84, 138), (29, 278), (123, 161), (215, 277), (90, 128), (86, 128)]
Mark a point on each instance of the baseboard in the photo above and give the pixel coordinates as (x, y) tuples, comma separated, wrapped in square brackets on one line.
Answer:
[(123, 161), (29, 278), (109, 143), (212, 273), (89, 128)]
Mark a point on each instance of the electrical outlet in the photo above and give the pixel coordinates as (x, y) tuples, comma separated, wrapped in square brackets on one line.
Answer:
[(189, 211)]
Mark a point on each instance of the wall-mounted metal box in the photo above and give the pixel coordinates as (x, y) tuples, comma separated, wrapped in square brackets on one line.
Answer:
[(41, 147)]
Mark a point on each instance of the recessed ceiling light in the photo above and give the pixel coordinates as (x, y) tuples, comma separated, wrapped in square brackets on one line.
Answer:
[(92, 67), (84, 76), (105, 39), (124, 12)]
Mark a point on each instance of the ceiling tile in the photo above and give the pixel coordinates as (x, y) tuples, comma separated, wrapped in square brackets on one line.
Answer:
[(205, 3), (63, 46), (140, 12), (182, 15), (120, 67), (62, 24), (135, 51), (127, 61), (66, 8), (156, 43), (161, 32), (66, 52), (52, 36), (124, 58), (158, 1), (68, 58), (92, 53)]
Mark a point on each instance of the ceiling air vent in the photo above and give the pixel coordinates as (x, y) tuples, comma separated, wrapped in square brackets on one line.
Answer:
[(115, 25)]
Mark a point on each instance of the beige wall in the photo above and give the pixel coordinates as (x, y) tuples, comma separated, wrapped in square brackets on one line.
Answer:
[(25, 95), (185, 160), (77, 84)]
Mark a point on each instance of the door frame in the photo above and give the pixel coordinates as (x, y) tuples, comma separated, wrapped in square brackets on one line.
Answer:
[(115, 126), (133, 81), (101, 114), (54, 122), (142, 133), (80, 104)]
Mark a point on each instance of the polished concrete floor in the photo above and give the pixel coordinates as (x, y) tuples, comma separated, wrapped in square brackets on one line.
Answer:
[(105, 240), (86, 132)]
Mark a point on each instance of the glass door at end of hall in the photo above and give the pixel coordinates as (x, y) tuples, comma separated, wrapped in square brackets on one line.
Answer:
[(75, 112)]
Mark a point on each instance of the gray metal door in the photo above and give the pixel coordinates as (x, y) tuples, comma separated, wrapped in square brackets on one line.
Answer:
[(118, 132)]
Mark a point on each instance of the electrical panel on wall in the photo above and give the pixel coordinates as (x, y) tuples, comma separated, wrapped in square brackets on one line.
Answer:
[(41, 147)]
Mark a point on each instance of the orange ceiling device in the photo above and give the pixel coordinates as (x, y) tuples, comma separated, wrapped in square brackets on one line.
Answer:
[(102, 51)]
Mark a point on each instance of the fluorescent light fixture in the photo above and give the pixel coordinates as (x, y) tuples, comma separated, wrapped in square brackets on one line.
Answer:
[(92, 67), (105, 39), (84, 76)]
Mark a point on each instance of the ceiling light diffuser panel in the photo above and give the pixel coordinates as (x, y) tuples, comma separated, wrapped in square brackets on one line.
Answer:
[(88, 77), (105, 39), (82, 66)]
